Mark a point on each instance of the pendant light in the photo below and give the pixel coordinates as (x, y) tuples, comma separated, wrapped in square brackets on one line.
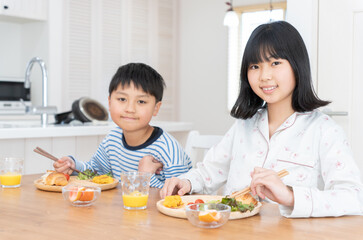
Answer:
[(231, 17)]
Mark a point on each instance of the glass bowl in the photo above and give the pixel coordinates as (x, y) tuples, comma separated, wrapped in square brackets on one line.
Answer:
[(79, 196), (208, 215)]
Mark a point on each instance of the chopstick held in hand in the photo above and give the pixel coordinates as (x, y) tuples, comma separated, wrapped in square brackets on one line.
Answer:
[(246, 190), (50, 156)]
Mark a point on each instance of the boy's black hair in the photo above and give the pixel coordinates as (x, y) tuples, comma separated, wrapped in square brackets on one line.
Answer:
[(141, 75), (278, 40)]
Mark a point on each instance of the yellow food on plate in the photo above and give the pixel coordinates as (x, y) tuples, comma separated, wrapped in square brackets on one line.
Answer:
[(209, 216), (102, 179), (173, 201)]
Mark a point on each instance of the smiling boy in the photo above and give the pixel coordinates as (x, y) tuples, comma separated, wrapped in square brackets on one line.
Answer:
[(135, 95)]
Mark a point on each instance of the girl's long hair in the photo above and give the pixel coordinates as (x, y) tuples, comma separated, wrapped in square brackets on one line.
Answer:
[(278, 40)]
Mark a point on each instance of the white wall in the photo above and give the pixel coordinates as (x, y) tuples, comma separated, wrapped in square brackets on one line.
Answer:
[(307, 27), (203, 64)]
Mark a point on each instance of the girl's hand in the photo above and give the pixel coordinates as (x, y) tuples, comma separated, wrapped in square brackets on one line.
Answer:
[(266, 183), (150, 164), (64, 165), (174, 186)]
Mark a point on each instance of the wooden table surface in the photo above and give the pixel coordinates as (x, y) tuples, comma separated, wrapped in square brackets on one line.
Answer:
[(29, 213)]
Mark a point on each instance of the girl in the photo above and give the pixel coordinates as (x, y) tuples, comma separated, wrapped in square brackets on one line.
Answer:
[(279, 127)]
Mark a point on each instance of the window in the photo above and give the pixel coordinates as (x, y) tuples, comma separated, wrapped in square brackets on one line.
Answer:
[(249, 18)]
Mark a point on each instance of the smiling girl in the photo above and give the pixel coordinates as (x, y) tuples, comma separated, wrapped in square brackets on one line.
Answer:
[(279, 127)]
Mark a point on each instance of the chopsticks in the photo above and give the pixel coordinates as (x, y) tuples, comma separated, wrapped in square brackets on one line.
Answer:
[(246, 190), (50, 156)]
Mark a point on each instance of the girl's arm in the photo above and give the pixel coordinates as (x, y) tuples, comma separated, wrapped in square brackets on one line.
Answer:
[(343, 191), (212, 173)]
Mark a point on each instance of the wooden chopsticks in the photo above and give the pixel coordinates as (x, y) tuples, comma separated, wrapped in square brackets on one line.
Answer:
[(246, 190), (48, 155)]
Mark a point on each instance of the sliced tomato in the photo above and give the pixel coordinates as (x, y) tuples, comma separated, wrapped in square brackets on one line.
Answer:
[(190, 203), (199, 201), (67, 176)]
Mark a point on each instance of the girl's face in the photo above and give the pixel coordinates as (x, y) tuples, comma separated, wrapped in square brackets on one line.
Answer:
[(131, 108), (273, 81)]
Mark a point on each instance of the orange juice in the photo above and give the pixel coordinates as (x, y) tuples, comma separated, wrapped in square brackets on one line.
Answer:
[(135, 200), (10, 179)]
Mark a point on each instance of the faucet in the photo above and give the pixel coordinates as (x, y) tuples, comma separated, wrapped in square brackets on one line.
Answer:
[(44, 110)]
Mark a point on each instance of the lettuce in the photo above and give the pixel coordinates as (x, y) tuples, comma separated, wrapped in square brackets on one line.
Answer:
[(89, 174), (237, 205)]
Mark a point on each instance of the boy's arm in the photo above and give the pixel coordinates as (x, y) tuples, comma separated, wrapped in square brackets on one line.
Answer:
[(99, 161), (150, 164), (180, 163)]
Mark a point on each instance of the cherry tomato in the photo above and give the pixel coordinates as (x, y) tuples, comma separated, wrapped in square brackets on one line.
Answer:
[(199, 201), (190, 203), (194, 207), (67, 176)]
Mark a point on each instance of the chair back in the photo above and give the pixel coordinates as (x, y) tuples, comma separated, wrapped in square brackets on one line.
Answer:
[(196, 143)]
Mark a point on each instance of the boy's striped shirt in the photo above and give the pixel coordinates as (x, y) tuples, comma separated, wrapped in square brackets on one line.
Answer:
[(114, 155)]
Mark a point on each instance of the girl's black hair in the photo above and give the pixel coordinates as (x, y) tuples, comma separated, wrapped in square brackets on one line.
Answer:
[(278, 40), (141, 75)]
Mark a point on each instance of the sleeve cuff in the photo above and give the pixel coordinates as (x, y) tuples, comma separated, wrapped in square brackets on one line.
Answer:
[(79, 166), (303, 205), (195, 182)]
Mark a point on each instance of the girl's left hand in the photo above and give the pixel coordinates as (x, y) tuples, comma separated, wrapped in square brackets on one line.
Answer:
[(266, 183)]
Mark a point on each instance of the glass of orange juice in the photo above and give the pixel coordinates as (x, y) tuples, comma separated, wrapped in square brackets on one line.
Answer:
[(11, 170), (135, 189)]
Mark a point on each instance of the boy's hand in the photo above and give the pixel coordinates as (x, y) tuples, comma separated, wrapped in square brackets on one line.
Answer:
[(266, 183), (150, 164), (64, 165)]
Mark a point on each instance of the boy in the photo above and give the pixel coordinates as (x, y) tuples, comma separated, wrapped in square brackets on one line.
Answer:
[(135, 95)]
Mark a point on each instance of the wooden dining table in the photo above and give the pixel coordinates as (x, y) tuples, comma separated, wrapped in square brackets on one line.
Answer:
[(29, 213)]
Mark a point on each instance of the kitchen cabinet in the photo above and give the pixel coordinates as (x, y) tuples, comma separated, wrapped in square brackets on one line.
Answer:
[(340, 61), (23, 9), (336, 32)]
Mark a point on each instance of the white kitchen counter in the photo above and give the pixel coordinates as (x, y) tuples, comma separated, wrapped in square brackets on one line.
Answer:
[(19, 138), (32, 129)]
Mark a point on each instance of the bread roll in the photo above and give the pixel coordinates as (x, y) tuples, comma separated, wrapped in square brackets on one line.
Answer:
[(247, 199), (56, 178)]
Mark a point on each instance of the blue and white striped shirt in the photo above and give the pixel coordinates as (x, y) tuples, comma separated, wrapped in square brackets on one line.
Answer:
[(114, 155)]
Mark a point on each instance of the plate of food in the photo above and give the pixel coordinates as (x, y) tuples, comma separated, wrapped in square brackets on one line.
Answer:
[(241, 207), (54, 181)]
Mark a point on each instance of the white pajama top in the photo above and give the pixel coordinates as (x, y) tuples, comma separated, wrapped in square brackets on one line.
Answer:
[(309, 145)]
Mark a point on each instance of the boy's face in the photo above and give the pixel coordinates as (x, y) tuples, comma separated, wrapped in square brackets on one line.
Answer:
[(131, 108)]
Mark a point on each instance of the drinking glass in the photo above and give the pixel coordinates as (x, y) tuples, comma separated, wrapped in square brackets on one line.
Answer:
[(11, 170), (135, 189)]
